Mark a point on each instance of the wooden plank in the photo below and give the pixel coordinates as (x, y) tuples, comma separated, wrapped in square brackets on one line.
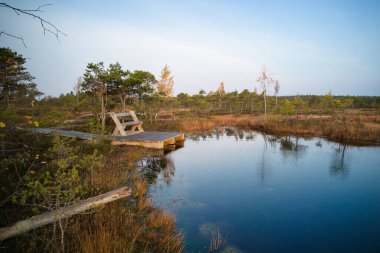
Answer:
[(62, 213), (81, 135), (145, 144), (157, 139), (170, 141), (145, 136), (148, 136), (122, 114), (72, 126), (131, 123), (133, 115), (180, 137), (119, 128)]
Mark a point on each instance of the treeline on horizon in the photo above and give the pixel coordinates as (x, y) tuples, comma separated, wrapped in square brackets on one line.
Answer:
[(230, 102), (112, 88)]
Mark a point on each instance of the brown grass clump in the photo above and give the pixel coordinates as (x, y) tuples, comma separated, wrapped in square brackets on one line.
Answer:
[(158, 219), (143, 203), (140, 188), (117, 229)]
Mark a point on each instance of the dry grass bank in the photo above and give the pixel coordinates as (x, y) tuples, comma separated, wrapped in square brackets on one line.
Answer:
[(126, 226), (131, 227), (353, 128)]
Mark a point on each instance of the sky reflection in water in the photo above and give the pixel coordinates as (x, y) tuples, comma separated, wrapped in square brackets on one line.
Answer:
[(270, 194)]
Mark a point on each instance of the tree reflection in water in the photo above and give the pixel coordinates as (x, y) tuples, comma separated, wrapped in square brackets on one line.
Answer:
[(263, 170), (250, 136), (153, 167), (230, 131), (339, 165), (291, 148), (219, 132)]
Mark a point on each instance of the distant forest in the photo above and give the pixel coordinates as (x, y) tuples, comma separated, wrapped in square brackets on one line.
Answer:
[(102, 89)]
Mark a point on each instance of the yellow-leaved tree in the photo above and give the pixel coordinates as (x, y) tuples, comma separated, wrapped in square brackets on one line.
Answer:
[(166, 82)]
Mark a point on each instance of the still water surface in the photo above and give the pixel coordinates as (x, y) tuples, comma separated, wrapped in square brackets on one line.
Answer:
[(267, 194)]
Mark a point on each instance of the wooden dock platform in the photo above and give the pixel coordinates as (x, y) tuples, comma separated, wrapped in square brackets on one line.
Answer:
[(147, 139)]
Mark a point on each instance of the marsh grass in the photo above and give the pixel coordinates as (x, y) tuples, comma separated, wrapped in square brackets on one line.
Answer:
[(353, 127), (132, 225), (116, 228)]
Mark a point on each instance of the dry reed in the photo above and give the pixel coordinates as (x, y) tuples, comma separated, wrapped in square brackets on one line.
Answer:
[(347, 128), (126, 226)]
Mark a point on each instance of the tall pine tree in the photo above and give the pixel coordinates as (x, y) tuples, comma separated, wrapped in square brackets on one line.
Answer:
[(15, 81)]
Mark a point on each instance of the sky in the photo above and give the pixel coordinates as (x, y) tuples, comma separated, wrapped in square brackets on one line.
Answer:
[(311, 47)]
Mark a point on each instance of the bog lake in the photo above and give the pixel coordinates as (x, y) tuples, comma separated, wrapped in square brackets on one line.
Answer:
[(261, 193)]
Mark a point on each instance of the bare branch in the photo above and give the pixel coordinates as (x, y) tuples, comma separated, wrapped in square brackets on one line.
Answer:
[(46, 25), (13, 36), (39, 8)]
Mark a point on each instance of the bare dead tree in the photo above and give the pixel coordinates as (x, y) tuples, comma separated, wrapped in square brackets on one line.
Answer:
[(78, 88), (46, 25)]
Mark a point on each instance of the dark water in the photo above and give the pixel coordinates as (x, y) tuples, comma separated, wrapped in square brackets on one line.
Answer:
[(266, 194)]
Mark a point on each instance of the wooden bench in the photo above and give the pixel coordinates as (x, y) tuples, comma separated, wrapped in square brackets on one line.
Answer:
[(121, 124)]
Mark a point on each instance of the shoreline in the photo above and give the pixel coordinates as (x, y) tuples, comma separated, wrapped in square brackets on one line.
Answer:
[(359, 130)]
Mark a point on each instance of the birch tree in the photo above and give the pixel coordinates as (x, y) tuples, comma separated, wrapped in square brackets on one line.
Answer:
[(265, 80)]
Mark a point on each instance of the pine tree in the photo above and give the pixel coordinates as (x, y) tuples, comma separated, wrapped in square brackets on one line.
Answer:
[(15, 81)]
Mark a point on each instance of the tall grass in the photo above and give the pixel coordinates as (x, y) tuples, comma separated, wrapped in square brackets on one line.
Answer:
[(116, 228), (126, 226), (354, 128)]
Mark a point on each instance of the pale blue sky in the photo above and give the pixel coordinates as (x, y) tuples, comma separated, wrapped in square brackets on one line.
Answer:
[(312, 47)]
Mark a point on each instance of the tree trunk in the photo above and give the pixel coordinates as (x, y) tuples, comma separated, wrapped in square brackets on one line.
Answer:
[(122, 102), (62, 235), (252, 104), (140, 100), (8, 98), (265, 105), (62, 213), (103, 113)]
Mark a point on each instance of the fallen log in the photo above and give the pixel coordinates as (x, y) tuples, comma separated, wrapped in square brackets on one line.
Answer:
[(62, 213)]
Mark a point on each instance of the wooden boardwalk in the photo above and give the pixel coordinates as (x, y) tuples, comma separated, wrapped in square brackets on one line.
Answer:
[(156, 140)]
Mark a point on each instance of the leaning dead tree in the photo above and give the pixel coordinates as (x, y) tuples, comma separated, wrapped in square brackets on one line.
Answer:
[(46, 25), (62, 213)]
